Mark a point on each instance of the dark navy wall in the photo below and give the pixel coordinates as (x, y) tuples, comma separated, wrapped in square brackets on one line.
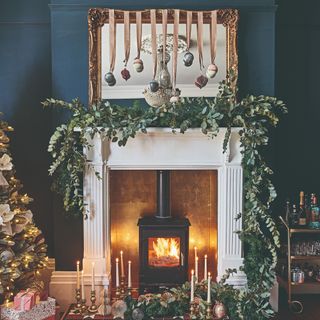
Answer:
[(25, 80), (298, 68)]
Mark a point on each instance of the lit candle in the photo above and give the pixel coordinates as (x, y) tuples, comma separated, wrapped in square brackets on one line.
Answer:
[(122, 265), (192, 287), (82, 286), (197, 269), (78, 275), (205, 267), (117, 273), (209, 288), (92, 277), (129, 275)]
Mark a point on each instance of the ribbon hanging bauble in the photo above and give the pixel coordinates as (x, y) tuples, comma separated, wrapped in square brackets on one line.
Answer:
[(154, 84), (188, 57), (175, 54), (138, 63), (109, 77), (212, 68), (202, 80), (125, 72)]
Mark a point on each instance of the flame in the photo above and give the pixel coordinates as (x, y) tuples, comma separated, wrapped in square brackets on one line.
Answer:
[(166, 247)]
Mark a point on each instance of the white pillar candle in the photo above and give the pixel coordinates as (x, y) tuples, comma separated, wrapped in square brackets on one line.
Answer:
[(205, 267), (122, 265), (78, 275), (196, 267), (192, 287), (82, 286), (117, 273), (209, 288), (129, 275), (92, 277)]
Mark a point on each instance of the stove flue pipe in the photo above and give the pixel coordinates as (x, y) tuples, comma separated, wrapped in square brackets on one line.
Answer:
[(163, 194)]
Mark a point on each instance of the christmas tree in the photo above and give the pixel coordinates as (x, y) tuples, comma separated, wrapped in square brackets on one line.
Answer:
[(22, 246)]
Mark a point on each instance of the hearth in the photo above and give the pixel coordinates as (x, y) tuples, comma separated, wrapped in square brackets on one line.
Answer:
[(163, 243)]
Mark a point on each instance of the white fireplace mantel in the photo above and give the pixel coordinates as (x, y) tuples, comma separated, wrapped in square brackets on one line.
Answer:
[(160, 149)]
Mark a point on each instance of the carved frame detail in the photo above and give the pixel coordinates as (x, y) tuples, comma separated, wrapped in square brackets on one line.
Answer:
[(97, 17)]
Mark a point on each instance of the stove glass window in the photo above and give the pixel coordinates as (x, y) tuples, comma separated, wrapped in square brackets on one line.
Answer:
[(164, 252)]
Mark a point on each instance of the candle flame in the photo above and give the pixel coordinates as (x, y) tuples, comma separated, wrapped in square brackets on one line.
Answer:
[(192, 272), (121, 252), (209, 274), (197, 258), (117, 259), (129, 262), (78, 262), (205, 256)]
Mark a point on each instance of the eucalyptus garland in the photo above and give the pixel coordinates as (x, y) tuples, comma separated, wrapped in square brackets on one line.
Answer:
[(254, 114)]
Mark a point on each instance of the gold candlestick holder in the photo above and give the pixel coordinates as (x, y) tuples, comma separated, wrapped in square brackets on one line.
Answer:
[(129, 291), (209, 311), (193, 310), (83, 306), (78, 300), (118, 293), (122, 287), (93, 308)]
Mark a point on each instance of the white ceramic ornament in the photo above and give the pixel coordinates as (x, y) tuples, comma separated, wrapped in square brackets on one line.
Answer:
[(138, 65), (212, 70)]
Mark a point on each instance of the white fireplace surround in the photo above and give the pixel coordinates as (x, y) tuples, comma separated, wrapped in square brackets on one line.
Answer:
[(158, 149)]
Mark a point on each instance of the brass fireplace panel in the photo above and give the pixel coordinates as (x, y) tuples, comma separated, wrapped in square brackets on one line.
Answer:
[(193, 194)]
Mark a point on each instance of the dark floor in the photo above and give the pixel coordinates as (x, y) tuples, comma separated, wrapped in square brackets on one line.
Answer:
[(311, 308)]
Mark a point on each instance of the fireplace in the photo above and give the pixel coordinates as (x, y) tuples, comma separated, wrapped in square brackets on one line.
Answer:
[(127, 191), (163, 243)]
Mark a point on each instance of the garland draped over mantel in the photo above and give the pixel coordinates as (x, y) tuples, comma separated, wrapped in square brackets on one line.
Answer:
[(254, 114)]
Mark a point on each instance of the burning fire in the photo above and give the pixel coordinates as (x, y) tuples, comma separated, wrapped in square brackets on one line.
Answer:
[(166, 247), (164, 252)]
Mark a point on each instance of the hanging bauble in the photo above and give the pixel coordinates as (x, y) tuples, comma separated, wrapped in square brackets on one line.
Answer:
[(137, 314), (188, 59), (219, 310), (212, 70), (110, 79), (201, 81), (164, 78), (125, 74), (154, 86), (138, 65)]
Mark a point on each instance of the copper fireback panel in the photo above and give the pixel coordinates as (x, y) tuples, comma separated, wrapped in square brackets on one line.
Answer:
[(193, 194)]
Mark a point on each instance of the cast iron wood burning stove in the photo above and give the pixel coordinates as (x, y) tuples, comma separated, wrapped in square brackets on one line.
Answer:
[(163, 243)]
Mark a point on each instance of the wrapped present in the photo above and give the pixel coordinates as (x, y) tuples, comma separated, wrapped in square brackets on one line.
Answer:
[(44, 310), (24, 300)]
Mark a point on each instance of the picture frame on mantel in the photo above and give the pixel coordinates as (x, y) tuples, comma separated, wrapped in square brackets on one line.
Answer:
[(98, 20)]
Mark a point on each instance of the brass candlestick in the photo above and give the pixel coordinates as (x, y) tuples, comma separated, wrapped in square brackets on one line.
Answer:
[(78, 300), (93, 308), (193, 310), (122, 287), (83, 306), (209, 311), (118, 293)]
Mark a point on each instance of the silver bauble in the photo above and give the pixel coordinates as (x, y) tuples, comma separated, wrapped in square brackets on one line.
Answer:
[(118, 309), (188, 59), (137, 314)]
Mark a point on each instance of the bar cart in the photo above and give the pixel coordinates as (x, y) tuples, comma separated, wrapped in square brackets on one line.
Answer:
[(298, 288)]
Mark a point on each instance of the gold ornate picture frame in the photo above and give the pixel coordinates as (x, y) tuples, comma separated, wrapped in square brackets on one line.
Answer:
[(98, 17)]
